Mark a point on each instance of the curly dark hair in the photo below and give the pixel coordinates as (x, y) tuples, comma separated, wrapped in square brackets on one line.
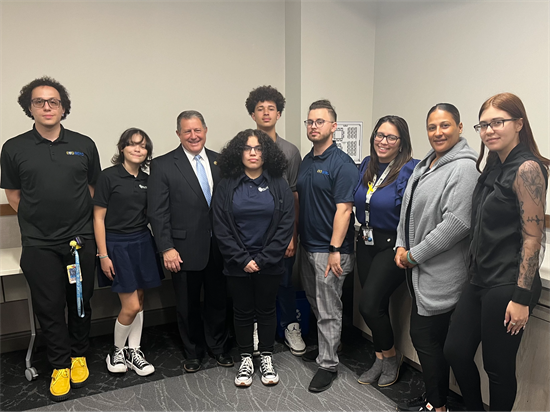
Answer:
[(265, 94), (230, 159), (25, 95), (125, 141)]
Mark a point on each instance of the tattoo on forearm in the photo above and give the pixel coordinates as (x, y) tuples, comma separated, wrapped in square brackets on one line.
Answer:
[(526, 281), (532, 181), (535, 219)]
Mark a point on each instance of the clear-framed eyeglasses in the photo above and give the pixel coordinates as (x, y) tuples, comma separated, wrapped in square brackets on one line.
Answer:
[(39, 103)]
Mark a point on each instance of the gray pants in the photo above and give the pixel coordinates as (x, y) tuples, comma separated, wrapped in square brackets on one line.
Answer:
[(323, 294)]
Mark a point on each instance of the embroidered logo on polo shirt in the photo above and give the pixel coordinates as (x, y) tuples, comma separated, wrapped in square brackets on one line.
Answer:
[(142, 187), (71, 153), (263, 189), (323, 172)]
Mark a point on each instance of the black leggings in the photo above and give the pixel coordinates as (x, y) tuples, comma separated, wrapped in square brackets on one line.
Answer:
[(254, 297), (380, 277), (479, 317)]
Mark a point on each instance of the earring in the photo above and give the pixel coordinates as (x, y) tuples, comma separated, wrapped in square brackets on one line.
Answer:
[(400, 149)]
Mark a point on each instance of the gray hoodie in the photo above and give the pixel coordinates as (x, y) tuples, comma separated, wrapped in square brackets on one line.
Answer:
[(439, 227)]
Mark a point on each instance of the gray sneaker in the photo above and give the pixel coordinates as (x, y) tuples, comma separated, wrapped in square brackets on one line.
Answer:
[(390, 369), (371, 375)]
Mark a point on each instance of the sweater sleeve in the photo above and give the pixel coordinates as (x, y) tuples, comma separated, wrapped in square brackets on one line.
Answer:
[(456, 201)]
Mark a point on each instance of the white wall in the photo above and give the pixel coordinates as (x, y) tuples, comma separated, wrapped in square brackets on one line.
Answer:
[(141, 63), (461, 53), (338, 59)]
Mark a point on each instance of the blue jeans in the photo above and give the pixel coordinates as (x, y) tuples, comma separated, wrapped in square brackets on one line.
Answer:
[(286, 297)]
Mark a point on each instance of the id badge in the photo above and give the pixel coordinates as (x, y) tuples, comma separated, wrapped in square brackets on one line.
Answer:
[(71, 273), (368, 236)]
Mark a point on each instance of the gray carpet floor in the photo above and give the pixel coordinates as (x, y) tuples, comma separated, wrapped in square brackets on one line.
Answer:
[(213, 390)]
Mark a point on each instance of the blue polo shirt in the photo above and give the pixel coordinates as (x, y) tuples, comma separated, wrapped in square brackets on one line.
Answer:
[(323, 182)]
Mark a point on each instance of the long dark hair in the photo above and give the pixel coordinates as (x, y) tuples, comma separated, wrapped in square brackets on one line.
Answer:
[(403, 156), (512, 105)]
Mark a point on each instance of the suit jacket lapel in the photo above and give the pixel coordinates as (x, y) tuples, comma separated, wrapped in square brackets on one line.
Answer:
[(182, 163), (212, 159)]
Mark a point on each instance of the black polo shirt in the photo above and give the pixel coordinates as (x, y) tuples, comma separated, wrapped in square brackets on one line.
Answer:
[(53, 177), (125, 198), (323, 182)]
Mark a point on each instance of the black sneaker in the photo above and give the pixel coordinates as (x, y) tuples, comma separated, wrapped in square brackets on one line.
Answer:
[(267, 370), (414, 404), (310, 355), (136, 361), (116, 361)]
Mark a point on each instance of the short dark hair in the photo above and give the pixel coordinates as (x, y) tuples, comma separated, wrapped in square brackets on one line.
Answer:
[(230, 159), (323, 104), (25, 95), (446, 107), (126, 139), (189, 114), (265, 94), (403, 156)]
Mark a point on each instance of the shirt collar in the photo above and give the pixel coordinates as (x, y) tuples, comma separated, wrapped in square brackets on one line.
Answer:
[(328, 151), (40, 139), (191, 156)]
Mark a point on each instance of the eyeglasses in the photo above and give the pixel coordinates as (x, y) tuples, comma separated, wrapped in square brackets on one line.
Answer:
[(39, 103), (390, 138), (495, 125), (248, 149), (319, 122)]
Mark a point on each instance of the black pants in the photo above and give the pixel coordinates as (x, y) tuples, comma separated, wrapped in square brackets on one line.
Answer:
[(206, 328), (379, 276), (45, 269), (254, 297), (479, 317), (428, 334)]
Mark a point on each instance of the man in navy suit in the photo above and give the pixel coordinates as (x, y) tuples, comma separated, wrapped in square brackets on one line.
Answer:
[(180, 188)]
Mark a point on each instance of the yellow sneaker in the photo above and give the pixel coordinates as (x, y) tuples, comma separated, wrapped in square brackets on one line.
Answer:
[(79, 372), (60, 388)]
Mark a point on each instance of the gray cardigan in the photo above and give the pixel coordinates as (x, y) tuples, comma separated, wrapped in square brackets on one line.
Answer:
[(439, 226)]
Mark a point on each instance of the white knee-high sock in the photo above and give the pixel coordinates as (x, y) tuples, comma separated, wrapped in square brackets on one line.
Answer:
[(121, 334), (134, 338)]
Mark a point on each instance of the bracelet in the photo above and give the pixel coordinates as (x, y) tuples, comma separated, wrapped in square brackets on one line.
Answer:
[(411, 261), (102, 256)]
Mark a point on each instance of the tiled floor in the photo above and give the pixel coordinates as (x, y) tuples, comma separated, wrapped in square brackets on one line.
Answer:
[(162, 347)]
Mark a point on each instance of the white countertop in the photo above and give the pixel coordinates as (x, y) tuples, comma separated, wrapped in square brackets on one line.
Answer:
[(9, 261)]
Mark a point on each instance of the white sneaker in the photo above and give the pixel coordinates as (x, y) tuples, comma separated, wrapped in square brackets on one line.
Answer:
[(256, 340), (245, 372), (116, 362), (136, 361), (293, 339), (267, 370)]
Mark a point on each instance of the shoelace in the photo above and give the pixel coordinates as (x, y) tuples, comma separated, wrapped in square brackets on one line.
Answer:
[(118, 356), (267, 365), (77, 360), (246, 367), (61, 373), (294, 334), (138, 358)]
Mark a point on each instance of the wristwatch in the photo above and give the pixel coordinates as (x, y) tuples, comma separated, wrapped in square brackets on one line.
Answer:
[(333, 249)]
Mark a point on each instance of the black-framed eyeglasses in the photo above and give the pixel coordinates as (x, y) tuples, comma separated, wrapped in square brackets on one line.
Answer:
[(390, 138), (318, 122), (39, 103), (495, 125), (248, 149)]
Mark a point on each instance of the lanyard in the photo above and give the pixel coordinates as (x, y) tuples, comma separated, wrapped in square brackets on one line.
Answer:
[(372, 189), (79, 299)]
